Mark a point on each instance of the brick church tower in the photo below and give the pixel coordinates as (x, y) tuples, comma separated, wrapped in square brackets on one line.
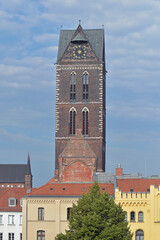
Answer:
[(80, 105)]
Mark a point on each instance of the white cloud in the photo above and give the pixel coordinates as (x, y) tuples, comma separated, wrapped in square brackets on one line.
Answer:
[(46, 38)]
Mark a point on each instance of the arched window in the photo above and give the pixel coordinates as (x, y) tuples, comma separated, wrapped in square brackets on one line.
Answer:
[(85, 121), (40, 235), (40, 213), (72, 121), (125, 217), (139, 235), (73, 86), (85, 85), (140, 217), (132, 217)]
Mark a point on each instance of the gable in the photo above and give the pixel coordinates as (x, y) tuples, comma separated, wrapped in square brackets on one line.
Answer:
[(77, 147), (95, 37)]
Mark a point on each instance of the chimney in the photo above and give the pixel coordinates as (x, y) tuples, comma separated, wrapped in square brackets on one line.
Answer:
[(119, 170)]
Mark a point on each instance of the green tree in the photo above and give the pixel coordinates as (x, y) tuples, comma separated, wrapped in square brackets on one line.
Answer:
[(96, 216)]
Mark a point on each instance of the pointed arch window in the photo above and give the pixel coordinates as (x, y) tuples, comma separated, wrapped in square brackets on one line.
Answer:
[(72, 121), (85, 85), (85, 113), (73, 86)]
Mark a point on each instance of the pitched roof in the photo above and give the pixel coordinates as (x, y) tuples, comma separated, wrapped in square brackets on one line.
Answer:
[(13, 173), (68, 189), (136, 185), (94, 36), (17, 193)]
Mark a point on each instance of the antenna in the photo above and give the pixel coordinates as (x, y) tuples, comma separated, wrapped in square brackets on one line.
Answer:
[(79, 21)]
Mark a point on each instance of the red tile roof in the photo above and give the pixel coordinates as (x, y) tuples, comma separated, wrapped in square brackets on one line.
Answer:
[(69, 189), (17, 193), (138, 185)]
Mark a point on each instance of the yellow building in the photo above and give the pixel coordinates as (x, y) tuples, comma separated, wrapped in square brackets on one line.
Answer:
[(46, 210), (142, 210)]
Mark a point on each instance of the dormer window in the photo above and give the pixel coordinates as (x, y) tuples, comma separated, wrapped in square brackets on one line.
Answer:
[(12, 202)]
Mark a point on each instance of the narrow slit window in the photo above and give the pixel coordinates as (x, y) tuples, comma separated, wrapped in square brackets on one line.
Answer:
[(85, 122), (132, 216), (68, 212), (72, 122), (85, 86), (73, 86)]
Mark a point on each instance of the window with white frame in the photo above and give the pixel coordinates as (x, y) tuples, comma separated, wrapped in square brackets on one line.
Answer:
[(10, 236), (12, 202), (10, 219), (1, 219), (20, 219), (1, 236)]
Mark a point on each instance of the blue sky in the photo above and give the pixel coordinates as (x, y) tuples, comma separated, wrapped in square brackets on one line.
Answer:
[(29, 33)]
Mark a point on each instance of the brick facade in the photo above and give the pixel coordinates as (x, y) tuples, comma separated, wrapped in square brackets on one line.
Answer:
[(66, 170)]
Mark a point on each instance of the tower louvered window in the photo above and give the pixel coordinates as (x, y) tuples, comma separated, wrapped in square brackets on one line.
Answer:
[(72, 121), (73, 86), (85, 86), (85, 122)]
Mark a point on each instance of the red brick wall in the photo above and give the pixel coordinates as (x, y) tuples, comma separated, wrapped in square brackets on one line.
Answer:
[(77, 172), (95, 104)]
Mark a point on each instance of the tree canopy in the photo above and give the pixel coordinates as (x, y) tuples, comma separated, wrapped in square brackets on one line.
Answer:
[(96, 216)]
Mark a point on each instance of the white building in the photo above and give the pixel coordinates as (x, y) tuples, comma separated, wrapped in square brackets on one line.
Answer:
[(11, 214)]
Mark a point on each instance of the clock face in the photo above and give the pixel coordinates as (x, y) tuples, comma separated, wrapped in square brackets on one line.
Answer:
[(79, 52)]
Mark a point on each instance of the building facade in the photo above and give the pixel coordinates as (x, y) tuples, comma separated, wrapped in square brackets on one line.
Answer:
[(46, 210), (140, 200), (11, 214), (80, 105)]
